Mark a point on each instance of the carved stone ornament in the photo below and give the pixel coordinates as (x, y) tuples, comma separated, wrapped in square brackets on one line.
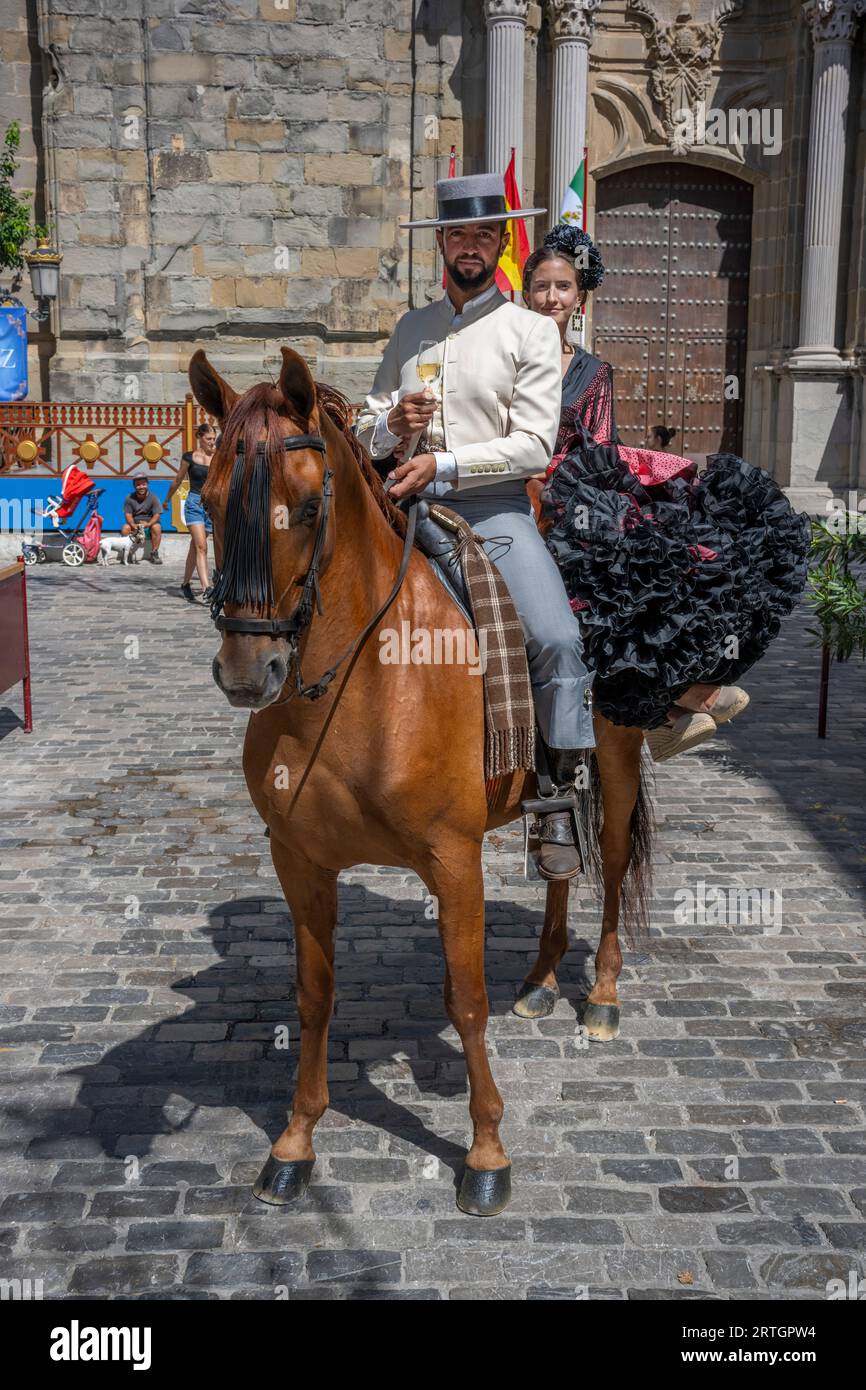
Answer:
[(506, 9), (832, 20), (573, 19), (681, 58)]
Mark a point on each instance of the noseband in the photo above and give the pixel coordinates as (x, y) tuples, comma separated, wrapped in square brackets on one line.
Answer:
[(292, 628)]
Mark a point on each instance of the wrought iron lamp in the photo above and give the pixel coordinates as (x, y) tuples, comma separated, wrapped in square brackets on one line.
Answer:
[(44, 267)]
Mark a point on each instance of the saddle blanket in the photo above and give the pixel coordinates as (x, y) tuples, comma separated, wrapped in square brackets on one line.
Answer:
[(509, 715)]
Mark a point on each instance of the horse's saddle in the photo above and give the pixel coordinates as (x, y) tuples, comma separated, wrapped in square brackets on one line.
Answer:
[(436, 535)]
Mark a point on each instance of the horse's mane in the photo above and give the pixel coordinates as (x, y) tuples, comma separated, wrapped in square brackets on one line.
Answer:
[(263, 405), (336, 407)]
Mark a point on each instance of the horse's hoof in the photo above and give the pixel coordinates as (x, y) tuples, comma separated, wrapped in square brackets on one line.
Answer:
[(535, 1001), (600, 1022), (282, 1181), (484, 1191)]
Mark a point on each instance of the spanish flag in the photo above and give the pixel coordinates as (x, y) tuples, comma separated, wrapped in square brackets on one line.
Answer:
[(509, 272)]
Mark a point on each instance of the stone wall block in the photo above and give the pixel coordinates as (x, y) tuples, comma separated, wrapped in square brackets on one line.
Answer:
[(324, 41), (322, 137), (300, 231), (241, 166), (205, 198), (175, 169), (342, 169)]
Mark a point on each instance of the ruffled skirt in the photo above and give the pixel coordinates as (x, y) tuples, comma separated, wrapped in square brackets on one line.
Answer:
[(676, 582)]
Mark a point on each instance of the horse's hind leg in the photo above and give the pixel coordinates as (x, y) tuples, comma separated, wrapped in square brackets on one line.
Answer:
[(618, 750), (458, 884), (311, 894), (540, 991)]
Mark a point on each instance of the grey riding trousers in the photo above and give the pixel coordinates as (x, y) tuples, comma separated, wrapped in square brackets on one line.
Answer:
[(561, 685)]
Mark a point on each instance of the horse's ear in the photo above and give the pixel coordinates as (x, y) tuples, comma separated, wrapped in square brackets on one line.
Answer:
[(208, 387), (296, 384)]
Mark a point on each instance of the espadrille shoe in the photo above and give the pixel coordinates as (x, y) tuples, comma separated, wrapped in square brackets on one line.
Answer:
[(729, 702), (686, 732)]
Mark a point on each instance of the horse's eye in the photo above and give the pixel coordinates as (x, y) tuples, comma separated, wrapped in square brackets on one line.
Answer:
[(309, 511)]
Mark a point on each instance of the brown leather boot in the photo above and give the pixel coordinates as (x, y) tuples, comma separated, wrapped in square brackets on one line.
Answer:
[(558, 855)]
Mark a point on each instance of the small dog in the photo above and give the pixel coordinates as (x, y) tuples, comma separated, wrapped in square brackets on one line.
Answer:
[(124, 546)]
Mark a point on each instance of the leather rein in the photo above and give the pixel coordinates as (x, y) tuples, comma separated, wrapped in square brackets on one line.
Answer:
[(293, 628)]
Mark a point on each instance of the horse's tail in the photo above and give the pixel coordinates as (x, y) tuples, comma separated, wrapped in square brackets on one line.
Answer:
[(636, 888)]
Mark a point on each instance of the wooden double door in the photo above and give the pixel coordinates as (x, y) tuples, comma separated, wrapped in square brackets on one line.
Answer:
[(672, 312)]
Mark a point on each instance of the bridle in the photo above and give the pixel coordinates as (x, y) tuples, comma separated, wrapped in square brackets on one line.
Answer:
[(293, 628)]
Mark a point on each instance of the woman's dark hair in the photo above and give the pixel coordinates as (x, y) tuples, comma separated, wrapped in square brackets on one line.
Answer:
[(206, 428), (568, 243)]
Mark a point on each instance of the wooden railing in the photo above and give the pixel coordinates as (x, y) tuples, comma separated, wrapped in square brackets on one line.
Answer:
[(42, 438)]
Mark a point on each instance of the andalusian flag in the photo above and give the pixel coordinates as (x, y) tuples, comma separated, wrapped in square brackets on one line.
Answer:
[(574, 202), (509, 272), (573, 210)]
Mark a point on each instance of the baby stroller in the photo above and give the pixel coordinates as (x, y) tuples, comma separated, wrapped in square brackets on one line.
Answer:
[(77, 524)]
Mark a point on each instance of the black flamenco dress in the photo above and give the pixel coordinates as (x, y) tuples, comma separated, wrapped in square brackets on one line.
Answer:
[(677, 577)]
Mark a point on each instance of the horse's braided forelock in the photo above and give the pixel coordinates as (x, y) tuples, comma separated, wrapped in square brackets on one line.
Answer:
[(246, 577)]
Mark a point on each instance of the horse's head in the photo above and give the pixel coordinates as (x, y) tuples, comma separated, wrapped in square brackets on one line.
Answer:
[(265, 495)]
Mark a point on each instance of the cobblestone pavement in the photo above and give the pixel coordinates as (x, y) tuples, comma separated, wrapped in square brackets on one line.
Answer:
[(715, 1150)]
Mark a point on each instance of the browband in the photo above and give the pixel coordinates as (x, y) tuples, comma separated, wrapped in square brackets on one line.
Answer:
[(292, 441)]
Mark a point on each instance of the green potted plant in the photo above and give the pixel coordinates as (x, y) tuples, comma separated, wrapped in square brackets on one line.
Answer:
[(835, 594)]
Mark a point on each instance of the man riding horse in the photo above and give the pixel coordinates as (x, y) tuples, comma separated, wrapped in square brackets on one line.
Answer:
[(491, 426)]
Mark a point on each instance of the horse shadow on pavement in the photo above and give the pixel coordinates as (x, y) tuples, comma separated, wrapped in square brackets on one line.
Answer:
[(223, 1054)]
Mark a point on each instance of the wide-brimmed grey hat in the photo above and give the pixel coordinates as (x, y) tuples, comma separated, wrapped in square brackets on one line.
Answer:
[(475, 198)]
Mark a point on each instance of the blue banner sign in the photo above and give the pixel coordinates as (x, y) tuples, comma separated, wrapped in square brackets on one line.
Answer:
[(13, 352)]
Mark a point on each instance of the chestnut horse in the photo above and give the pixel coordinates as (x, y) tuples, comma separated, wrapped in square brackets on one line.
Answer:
[(380, 764)]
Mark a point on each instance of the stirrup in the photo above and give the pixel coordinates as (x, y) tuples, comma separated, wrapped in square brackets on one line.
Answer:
[(552, 798)]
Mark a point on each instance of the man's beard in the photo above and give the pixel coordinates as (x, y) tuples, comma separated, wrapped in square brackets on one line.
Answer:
[(470, 280)]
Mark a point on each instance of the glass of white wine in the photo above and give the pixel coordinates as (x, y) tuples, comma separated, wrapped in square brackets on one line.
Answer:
[(428, 368), (428, 365)]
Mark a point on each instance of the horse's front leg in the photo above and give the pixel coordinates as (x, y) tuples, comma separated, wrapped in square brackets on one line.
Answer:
[(618, 750), (311, 894), (456, 879)]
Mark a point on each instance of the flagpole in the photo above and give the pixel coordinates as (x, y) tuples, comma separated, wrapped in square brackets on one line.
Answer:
[(451, 173), (511, 223), (585, 201)]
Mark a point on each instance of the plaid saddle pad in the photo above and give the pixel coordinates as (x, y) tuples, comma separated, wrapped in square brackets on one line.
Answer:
[(509, 715)]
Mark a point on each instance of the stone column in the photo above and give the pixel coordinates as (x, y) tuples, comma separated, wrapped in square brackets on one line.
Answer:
[(506, 33), (572, 22), (832, 23)]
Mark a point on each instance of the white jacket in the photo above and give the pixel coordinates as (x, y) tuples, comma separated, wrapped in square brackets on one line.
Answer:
[(501, 387)]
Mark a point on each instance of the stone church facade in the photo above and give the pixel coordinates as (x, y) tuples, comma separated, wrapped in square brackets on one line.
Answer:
[(234, 177)]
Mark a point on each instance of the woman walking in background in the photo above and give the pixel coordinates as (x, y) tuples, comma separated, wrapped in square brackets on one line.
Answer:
[(680, 580), (194, 465)]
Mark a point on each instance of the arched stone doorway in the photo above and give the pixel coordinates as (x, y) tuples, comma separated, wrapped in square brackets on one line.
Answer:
[(672, 313)]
